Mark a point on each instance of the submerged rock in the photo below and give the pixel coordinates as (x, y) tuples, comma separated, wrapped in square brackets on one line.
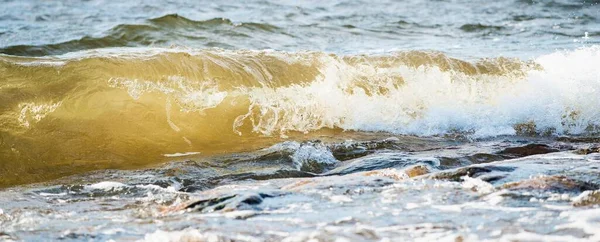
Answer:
[(587, 198), (228, 203), (417, 170), (557, 183), (527, 150), (471, 171), (478, 158), (595, 148), (394, 195)]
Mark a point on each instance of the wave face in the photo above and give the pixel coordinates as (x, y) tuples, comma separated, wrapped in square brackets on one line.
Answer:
[(120, 108)]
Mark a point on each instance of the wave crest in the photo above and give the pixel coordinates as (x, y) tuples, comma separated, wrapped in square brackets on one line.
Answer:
[(130, 106)]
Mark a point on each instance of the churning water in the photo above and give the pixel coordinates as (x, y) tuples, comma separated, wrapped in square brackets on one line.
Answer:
[(286, 120)]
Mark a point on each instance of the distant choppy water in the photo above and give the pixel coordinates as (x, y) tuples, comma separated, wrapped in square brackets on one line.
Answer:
[(517, 28), (382, 121)]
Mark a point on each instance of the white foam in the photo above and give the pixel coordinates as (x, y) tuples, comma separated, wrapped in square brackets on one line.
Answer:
[(45, 194), (185, 235), (35, 112), (562, 97), (107, 185), (313, 152), (194, 235), (192, 95), (181, 154), (477, 185)]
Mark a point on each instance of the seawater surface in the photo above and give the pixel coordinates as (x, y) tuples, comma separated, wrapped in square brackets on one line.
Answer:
[(285, 120)]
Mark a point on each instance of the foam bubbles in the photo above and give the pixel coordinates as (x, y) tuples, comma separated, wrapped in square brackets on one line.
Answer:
[(559, 97)]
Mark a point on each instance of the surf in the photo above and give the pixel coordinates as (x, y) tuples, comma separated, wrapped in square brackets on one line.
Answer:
[(127, 107)]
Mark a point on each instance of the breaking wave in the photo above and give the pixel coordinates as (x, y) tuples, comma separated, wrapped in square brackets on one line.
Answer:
[(125, 106)]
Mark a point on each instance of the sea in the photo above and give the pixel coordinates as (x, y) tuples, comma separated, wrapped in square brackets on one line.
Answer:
[(281, 120)]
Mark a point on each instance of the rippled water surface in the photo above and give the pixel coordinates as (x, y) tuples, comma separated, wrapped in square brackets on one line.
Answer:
[(299, 120), (464, 28)]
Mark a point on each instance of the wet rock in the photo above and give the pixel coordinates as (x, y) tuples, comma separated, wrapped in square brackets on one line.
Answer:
[(211, 204), (398, 174), (527, 150), (367, 233), (527, 129), (417, 170), (587, 198), (479, 158), (78, 236), (471, 171), (556, 183), (595, 148), (579, 139), (348, 151), (228, 203), (483, 158), (452, 162), (344, 152), (508, 153), (389, 173), (315, 166), (7, 237)]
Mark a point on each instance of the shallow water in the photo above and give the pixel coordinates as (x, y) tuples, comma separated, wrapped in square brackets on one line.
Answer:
[(393, 189), (285, 120)]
